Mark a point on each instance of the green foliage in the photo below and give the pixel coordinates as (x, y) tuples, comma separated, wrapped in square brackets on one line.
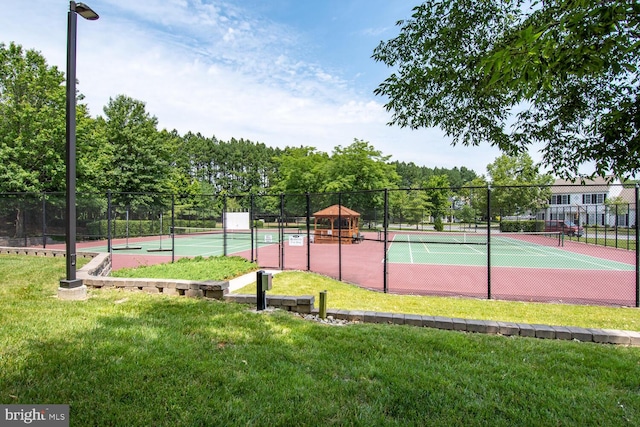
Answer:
[(138, 155), (142, 227), (198, 269), (236, 166), (617, 205), (466, 214), (301, 170), (32, 122), (528, 189), (439, 194), (216, 363), (437, 224), (465, 66), (358, 167), (414, 206), (413, 176), (517, 187), (524, 225)]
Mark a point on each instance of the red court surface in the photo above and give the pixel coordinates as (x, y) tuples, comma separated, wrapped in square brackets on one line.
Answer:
[(362, 264)]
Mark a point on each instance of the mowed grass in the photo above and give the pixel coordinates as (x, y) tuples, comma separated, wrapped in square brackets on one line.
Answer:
[(197, 268), (132, 359), (344, 296), (350, 297)]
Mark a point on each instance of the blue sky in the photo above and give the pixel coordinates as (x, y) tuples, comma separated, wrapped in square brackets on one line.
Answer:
[(281, 72)]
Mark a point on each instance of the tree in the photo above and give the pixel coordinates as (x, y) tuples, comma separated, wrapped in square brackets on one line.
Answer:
[(358, 169), (475, 194), (32, 122), (438, 194), (412, 175), (563, 73), (417, 207), (301, 170), (32, 132), (467, 214), (518, 186), (617, 206), (138, 155)]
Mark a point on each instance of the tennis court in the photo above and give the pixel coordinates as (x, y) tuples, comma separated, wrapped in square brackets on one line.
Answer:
[(532, 250), (189, 242), (524, 250), (523, 266)]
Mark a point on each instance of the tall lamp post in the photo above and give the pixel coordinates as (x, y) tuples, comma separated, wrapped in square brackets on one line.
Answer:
[(70, 287)]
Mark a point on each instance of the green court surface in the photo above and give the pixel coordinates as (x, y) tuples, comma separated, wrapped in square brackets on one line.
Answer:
[(518, 250), (194, 245), (524, 251)]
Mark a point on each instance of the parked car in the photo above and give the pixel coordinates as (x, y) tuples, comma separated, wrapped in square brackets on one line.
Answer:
[(566, 227)]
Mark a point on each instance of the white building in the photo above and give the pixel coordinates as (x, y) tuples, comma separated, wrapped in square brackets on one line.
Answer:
[(584, 204)]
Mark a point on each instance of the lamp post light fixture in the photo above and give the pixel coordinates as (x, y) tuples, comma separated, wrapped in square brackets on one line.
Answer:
[(71, 283)]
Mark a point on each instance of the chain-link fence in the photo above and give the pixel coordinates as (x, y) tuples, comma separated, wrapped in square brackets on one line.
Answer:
[(573, 244)]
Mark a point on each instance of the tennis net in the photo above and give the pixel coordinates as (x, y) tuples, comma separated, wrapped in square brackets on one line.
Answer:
[(463, 238), (264, 236)]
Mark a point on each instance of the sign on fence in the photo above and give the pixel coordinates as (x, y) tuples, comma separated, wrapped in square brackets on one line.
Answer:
[(296, 240)]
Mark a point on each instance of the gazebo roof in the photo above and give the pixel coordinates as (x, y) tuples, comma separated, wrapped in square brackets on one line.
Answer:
[(335, 211)]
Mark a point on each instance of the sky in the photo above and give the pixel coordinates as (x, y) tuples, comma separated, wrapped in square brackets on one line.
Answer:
[(280, 72)]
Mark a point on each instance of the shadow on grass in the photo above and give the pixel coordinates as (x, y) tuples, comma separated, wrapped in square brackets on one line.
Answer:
[(134, 359)]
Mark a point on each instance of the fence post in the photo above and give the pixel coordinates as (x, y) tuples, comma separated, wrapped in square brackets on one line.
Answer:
[(606, 223), (488, 242), (308, 232), (281, 231), (637, 251), (173, 227), (385, 228), (109, 221), (252, 223), (615, 223), (224, 224), (596, 223), (44, 220), (340, 236)]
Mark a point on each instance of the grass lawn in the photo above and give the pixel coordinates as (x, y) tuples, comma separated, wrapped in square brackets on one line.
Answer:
[(197, 268), (349, 297), (132, 359)]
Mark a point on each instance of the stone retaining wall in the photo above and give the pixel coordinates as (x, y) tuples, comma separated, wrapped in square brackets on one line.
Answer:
[(95, 275), (301, 304), (604, 336)]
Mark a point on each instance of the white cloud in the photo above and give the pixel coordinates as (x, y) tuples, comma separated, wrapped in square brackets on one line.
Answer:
[(214, 68)]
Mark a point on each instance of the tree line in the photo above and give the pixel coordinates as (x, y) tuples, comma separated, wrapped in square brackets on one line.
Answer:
[(122, 151)]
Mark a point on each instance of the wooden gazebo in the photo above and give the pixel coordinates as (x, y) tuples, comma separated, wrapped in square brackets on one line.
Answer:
[(336, 223)]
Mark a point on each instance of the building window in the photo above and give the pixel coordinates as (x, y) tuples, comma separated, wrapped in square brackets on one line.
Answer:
[(593, 199), (560, 199)]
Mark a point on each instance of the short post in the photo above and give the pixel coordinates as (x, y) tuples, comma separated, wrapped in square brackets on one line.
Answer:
[(263, 284), (323, 304), (261, 295)]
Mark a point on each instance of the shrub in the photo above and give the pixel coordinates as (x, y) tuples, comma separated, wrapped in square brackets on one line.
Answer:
[(526, 226)]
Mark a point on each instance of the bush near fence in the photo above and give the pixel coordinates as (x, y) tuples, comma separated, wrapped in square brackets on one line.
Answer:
[(525, 226)]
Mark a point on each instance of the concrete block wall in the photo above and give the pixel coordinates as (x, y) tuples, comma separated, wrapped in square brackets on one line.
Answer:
[(95, 275), (300, 304), (603, 336)]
